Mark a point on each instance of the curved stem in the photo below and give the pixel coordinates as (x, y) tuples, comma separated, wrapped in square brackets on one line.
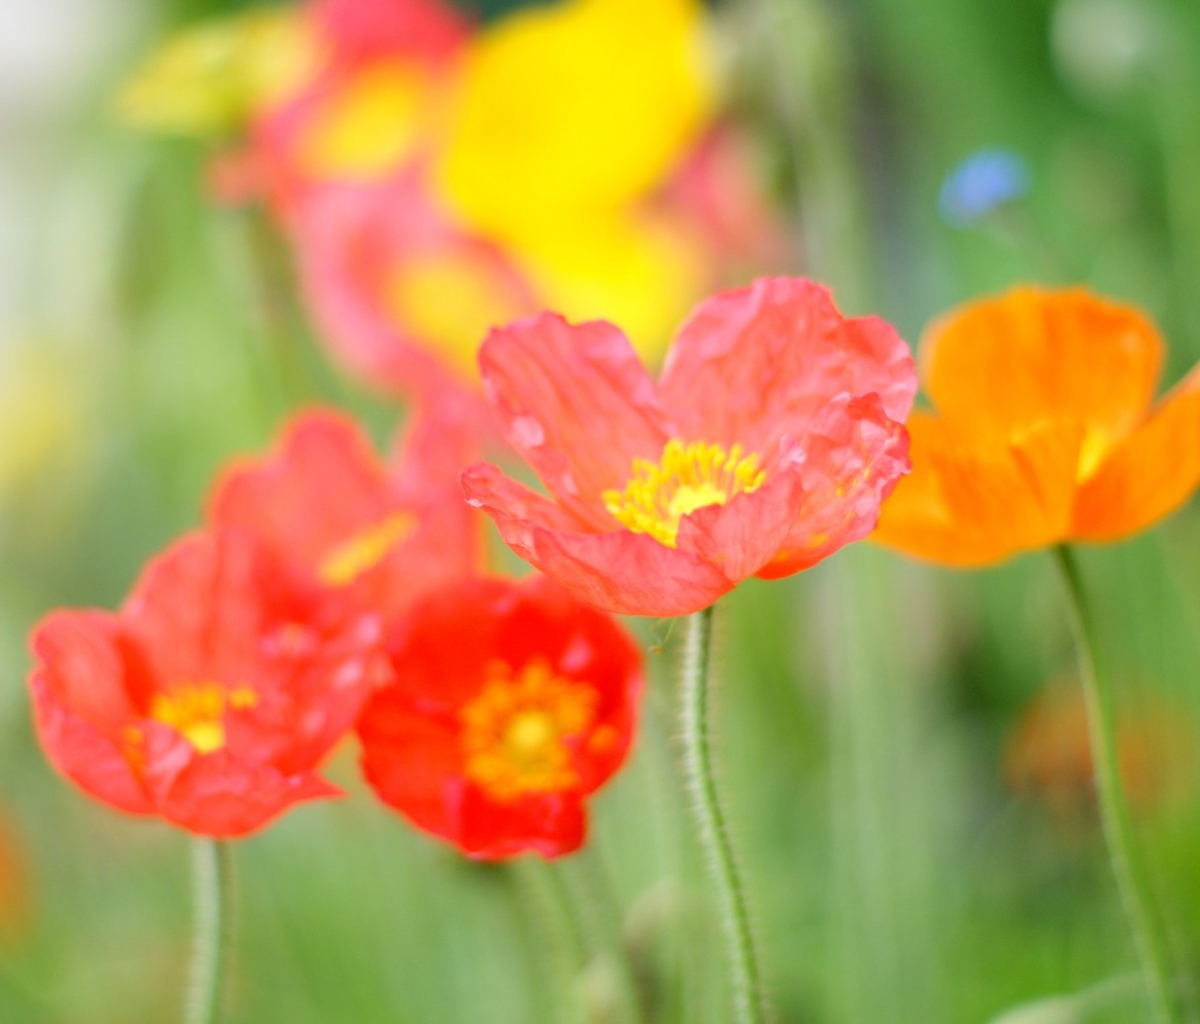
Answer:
[(212, 866), (1130, 873), (711, 825)]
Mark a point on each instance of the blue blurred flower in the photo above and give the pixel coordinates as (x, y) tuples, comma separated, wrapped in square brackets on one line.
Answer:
[(985, 180)]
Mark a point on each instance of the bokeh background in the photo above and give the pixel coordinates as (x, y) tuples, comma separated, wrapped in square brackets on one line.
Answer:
[(905, 758)]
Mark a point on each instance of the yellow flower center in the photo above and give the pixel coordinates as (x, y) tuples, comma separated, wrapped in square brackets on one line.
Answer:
[(365, 550), (516, 732), (197, 711), (686, 478)]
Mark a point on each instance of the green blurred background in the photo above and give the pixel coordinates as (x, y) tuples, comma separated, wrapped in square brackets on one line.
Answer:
[(869, 707)]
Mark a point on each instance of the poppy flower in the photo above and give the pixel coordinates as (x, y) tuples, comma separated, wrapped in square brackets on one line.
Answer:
[(338, 516), (770, 439), (211, 697), (511, 704), (1044, 430)]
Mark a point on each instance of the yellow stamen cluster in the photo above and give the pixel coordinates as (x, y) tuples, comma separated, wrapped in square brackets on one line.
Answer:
[(686, 478), (197, 711), (365, 550), (515, 732)]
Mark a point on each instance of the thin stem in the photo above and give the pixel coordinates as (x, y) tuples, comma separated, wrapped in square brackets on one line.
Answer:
[(711, 825), (1130, 873), (212, 866)]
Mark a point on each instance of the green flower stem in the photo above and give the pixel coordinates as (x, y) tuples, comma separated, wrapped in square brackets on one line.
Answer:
[(712, 828), (1130, 873), (212, 865)]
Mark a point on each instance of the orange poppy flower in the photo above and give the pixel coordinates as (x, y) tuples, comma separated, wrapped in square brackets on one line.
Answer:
[(212, 696), (1044, 430), (340, 517), (511, 704)]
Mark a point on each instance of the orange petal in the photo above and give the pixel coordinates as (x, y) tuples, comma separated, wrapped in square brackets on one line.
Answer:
[(1149, 474), (1034, 354), (972, 502)]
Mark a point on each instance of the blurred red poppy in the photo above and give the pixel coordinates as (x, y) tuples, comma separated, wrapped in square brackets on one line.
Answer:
[(210, 698), (511, 704), (329, 508), (770, 439)]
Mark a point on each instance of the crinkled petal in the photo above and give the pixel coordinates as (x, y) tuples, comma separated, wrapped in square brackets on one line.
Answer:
[(971, 502), (577, 403), (1031, 354), (1147, 475), (757, 364), (322, 484), (218, 794), (81, 707), (851, 462), (618, 571), (745, 533)]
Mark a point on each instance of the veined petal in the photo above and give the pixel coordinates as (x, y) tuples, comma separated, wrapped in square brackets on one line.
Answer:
[(852, 460), (1148, 474), (1032, 354), (617, 571), (576, 403), (757, 364)]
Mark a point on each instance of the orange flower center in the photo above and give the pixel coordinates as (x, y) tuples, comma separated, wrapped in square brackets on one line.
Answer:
[(365, 550), (197, 711), (686, 478), (516, 733)]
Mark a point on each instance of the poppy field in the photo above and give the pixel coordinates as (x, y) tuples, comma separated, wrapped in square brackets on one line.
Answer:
[(600, 512)]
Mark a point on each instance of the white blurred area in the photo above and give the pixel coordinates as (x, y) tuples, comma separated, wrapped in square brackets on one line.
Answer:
[(58, 62)]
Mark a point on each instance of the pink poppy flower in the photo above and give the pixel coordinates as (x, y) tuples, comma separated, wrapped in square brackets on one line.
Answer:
[(770, 439)]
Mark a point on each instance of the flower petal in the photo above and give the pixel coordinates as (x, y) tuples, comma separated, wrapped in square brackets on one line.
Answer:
[(618, 571), (853, 459), (974, 502), (81, 707), (577, 404), (756, 364), (1030, 354), (552, 824), (218, 794), (1147, 475)]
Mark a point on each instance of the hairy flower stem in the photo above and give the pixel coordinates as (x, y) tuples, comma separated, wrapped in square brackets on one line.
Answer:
[(212, 866), (1134, 886), (711, 825)]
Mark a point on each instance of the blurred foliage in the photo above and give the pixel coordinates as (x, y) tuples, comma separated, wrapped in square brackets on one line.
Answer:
[(866, 704)]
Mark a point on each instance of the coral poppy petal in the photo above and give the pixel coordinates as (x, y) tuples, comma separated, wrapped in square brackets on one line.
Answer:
[(322, 484), (1147, 475), (974, 502), (618, 571), (745, 533), (220, 795), (756, 364), (853, 459), (577, 404), (1013, 361)]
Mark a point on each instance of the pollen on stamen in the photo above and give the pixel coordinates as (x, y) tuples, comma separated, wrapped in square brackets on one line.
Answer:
[(686, 478)]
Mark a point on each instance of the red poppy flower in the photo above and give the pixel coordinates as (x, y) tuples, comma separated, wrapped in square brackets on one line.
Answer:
[(333, 511), (511, 703), (770, 439), (211, 697)]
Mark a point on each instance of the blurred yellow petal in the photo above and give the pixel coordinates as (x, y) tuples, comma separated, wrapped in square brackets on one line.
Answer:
[(210, 79), (579, 105), (641, 273), (368, 125), (449, 301)]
